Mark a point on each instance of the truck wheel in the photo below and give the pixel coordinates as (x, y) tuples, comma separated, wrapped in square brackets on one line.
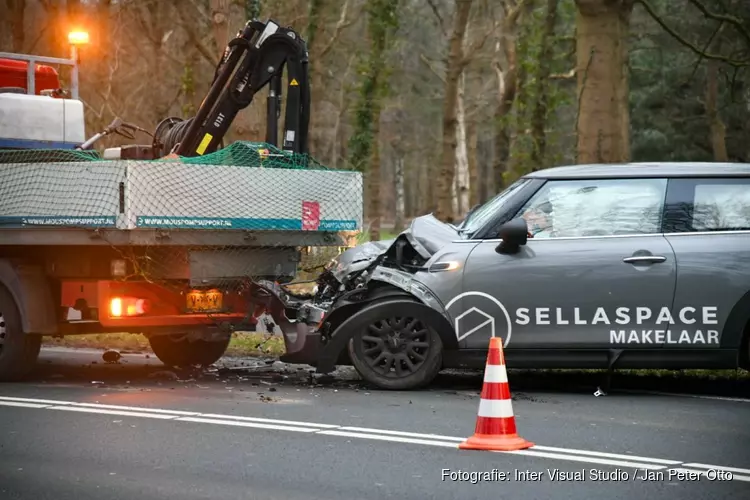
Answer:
[(18, 351), (181, 350), (398, 353)]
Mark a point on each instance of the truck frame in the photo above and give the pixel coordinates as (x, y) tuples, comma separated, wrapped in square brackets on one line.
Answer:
[(92, 244)]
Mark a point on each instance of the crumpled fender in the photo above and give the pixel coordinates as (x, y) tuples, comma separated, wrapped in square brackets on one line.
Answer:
[(397, 303)]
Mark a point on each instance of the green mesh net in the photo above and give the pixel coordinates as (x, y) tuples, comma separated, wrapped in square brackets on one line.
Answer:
[(249, 212)]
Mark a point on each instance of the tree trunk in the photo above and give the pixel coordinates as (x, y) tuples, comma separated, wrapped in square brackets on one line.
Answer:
[(17, 10), (220, 23), (445, 178), (462, 152), (314, 30), (471, 136), (539, 113), (400, 195), (507, 89), (602, 54), (718, 129), (373, 175)]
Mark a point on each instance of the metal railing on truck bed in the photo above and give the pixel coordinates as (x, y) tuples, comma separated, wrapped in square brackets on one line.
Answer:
[(247, 194)]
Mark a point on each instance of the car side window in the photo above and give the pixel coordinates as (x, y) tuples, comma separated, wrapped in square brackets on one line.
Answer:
[(597, 207), (710, 204)]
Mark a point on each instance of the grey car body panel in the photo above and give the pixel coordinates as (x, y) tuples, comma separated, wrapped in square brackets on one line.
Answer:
[(714, 270), (547, 278), (553, 300)]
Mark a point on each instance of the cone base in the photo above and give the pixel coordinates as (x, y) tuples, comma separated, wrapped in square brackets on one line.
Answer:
[(489, 442)]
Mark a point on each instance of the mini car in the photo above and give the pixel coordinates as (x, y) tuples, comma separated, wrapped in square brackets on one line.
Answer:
[(641, 265)]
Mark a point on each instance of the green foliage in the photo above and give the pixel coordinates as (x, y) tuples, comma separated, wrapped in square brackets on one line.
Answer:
[(188, 89), (252, 9), (313, 18), (525, 154), (668, 85), (382, 23)]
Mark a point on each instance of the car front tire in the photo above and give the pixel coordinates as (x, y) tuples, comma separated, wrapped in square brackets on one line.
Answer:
[(396, 352)]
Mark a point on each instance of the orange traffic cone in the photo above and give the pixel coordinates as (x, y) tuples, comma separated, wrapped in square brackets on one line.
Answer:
[(496, 424)]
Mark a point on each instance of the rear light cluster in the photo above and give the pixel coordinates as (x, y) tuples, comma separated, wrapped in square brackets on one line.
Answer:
[(128, 306)]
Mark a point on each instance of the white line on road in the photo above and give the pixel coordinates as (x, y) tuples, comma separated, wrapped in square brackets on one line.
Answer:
[(607, 455), (240, 423), (592, 460), (576, 455), (22, 405), (112, 412), (393, 439), (718, 467)]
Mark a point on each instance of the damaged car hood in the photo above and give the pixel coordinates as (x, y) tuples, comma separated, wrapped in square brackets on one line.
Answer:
[(426, 234)]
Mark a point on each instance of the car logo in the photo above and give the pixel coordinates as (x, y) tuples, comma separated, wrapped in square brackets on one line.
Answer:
[(487, 308)]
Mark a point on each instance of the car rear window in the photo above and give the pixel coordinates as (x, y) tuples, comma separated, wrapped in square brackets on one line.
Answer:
[(722, 207), (706, 205)]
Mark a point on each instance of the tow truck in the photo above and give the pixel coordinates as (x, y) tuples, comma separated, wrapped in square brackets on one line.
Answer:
[(219, 228)]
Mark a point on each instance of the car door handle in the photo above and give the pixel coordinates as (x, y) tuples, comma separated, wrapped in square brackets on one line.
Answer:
[(644, 258)]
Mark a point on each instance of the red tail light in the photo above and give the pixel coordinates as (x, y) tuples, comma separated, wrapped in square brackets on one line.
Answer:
[(128, 306)]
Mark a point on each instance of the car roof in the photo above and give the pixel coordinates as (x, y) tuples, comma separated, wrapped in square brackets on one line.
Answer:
[(643, 169)]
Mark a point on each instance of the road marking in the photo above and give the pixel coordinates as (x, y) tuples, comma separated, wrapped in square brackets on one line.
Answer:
[(112, 412), (571, 454), (394, 439), (403, 433), (718, 467), (22, 405), (269, 421), (240, 423), (608, 455), (592, 460)]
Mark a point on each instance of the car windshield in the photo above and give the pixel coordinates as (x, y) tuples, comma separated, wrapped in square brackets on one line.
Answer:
[(484, 213)]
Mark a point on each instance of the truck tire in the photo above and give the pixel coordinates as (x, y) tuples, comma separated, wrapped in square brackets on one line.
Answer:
[(182, 350), (396, 353), (18, 351)]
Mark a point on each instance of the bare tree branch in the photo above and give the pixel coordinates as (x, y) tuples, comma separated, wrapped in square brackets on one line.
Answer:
[(342, 23), (475, 47), (192, 37), (438, 16), (432, 68), (734, 21), (651, 11), (563, 76)]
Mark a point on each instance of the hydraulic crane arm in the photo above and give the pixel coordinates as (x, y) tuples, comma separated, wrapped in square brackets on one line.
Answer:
[(256, 57)]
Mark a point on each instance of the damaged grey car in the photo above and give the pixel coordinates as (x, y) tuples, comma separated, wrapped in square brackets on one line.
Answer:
[(588, 266)]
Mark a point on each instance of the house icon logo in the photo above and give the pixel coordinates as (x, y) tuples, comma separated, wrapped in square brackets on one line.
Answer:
[(474, 312)]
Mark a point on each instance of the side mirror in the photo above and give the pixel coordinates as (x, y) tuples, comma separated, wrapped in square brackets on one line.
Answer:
[(513, 234)]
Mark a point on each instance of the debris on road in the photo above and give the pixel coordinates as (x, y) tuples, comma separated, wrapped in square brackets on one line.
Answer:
[(111, 356), (164, 375)]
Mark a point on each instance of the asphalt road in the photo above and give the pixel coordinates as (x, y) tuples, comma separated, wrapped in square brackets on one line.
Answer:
[(78, 430)]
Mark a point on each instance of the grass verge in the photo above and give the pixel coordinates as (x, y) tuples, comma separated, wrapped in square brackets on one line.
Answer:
[(259, 344), (242, 344)]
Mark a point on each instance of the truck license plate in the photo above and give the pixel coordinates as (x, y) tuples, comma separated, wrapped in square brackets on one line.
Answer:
[(205, 301)]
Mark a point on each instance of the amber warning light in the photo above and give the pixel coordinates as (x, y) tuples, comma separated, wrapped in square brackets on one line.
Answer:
[(127, 306), (78, 38)]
